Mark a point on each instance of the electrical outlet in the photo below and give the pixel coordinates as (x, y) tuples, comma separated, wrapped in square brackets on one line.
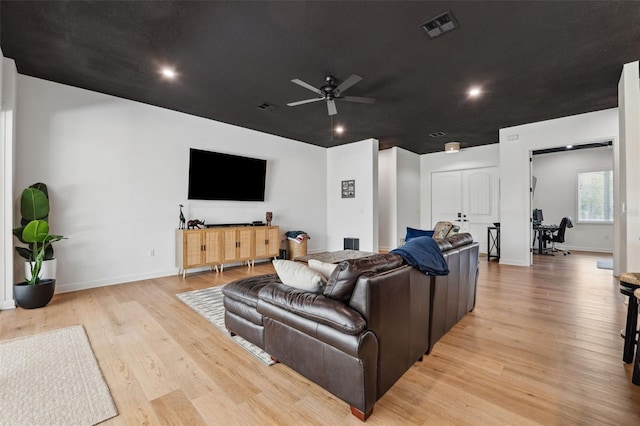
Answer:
[(152, 252)]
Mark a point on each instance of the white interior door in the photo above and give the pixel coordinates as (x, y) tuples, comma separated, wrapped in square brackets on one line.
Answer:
[(468, 198), (446, 197)]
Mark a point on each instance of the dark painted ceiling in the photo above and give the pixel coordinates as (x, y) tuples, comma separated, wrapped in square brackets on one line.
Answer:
[(534, 61)]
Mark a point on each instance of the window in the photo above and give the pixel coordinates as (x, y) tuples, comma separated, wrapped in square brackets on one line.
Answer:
[(595, 196)]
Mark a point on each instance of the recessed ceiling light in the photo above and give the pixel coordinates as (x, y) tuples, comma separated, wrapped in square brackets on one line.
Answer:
[(569, 146), (339, 129), (168, 73), (474, 92)]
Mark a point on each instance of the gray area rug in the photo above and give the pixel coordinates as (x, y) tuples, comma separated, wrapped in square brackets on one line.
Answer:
[(605, 263), (208, 303), (52, 378)]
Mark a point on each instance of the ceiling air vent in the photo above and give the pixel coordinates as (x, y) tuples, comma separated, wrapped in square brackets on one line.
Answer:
[(267, 106), (441, 24), (437, 134)]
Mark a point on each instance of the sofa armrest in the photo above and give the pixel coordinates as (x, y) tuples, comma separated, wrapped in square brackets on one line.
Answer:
[(312, 306)]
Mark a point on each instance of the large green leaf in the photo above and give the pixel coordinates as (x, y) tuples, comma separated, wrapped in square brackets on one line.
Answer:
[(36, 231), (34, 204)]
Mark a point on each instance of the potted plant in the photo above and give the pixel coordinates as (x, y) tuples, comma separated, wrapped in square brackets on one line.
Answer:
[(36, 292), (34, 205)]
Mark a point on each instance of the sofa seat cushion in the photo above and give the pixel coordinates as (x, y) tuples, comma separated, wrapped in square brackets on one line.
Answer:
[(314, 307), (343, 280)]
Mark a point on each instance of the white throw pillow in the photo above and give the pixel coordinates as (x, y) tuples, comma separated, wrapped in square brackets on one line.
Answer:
[(299, 275), (326, 269)]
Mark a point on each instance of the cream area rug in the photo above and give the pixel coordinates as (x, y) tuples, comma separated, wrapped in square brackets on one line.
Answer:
[(208, 303), (52, 378)]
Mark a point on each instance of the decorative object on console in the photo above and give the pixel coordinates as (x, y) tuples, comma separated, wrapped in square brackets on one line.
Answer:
[(182, 220), (195, 223), (269, 218)]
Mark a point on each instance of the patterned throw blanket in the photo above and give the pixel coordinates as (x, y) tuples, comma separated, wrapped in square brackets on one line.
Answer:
[(424, 254)]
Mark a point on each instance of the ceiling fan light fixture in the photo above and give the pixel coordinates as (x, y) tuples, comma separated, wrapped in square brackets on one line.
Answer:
[(452, 147)]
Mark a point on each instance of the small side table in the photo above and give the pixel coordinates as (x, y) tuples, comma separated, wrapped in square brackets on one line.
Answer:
[(493, 242)]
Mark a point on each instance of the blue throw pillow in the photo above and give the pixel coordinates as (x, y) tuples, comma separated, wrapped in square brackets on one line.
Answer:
[(413, 233)]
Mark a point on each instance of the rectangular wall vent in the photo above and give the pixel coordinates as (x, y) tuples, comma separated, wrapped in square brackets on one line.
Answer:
[(441, 24), (267, 106), (437, 134)]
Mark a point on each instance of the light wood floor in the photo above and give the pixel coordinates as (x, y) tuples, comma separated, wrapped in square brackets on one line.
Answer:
[(543, 346)]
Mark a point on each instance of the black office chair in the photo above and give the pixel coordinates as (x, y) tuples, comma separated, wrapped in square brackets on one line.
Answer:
[(558, 236)]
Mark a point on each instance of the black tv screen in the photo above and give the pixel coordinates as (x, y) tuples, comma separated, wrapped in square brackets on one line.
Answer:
[(217, 176)]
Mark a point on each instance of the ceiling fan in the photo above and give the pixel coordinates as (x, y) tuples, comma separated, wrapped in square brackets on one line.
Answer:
[(332, 92)]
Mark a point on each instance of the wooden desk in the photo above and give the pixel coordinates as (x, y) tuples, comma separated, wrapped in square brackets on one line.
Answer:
[(541, 231)]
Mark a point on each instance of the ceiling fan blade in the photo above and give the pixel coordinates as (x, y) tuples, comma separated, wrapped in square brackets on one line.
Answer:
[(331, 106), (353, 79), (306, 101), (306, 85), (359, 99)]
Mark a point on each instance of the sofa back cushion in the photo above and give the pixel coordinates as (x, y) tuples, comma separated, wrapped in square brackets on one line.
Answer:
[(343, 280), (414, 233), (455, 241), (299, 275), (324, 268)]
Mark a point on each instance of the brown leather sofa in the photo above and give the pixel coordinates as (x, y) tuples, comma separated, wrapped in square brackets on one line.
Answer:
[(380, 318)]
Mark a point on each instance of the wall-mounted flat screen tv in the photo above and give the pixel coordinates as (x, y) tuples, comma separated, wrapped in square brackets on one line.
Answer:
[(218, 176)]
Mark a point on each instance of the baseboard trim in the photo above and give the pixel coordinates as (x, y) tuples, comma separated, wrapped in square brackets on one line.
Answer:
[(7, 304), (67, 287)]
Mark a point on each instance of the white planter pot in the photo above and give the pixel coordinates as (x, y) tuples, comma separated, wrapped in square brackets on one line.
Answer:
[(48, 270)]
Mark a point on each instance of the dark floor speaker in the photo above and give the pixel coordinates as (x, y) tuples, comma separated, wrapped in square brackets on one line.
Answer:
[(352, 244)]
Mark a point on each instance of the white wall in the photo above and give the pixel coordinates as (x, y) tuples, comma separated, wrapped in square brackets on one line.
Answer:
[(117, 171), (399, 199), (353, 217), (387, 198), (556, 194), (516, 143), (467, 158), (8, 76), (627, 173)]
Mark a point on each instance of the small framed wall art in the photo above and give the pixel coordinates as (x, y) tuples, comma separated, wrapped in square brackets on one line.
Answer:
[(348, 189)]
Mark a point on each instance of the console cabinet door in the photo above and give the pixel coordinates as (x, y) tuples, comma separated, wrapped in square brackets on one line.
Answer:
[(212, 246), (267, 241), (238, 244), (230, 243), (246, 246), (193, 248)]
